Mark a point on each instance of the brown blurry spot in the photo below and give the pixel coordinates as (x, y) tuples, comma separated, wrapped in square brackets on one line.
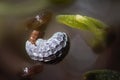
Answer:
[(44, 17), (30, 71)]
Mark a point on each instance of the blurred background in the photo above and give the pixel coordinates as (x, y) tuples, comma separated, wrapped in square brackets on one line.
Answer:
[(15, 13)]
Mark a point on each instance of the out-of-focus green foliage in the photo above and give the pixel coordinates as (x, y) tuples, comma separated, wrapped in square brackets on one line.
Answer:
[(28, 6), (95, 26), (22, 8), (101, 75)]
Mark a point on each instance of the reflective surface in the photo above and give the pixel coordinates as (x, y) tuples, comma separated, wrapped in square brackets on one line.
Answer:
[(80, 58)]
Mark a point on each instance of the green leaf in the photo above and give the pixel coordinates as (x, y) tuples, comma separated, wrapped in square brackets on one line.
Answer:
[(101, 75), (96, 27)]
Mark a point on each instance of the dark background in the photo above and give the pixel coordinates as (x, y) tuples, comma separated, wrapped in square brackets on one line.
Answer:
[(80, 57)]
